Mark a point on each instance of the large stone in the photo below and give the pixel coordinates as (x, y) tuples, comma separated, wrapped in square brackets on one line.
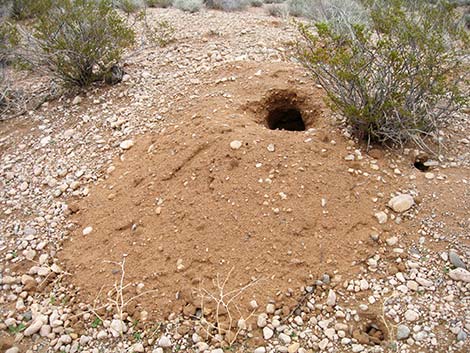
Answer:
[(164, 342), (33, 328), (401, 203), (402, 332), (267, 333), (455, 260), (331, 300), (460, 274)]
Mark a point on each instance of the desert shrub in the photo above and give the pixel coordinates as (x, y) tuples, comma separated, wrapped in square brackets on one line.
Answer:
[(22, 9), (396, 80), (159, 3), (227, 5), (338, 13), (277, 10), (188, 5), (78, 41), (130, 6), (256, 3)]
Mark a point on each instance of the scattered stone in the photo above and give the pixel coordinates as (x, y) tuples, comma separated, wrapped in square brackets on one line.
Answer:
[(462, 335), (260, 350), (164, 342), (293, 348), (77, 100), (117, 328), (138, 348), (403, 332), (267, 333), (460, 274), (401, 203), (13, 350), (357, 348), (262, 320), (331, 300), (411, 315), (455, 260), (127, 144), (285, 339), (33, 328), (382, 217), (87, 230), (235, 145), (271, 147)]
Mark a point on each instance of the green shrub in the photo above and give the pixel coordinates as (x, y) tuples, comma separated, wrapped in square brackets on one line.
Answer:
[(130, 6), (256, 3), (277, 10), (227, 5), (395, 79), (338, 13), (78, 41), (188, 5), (22, 9), (159, 3)]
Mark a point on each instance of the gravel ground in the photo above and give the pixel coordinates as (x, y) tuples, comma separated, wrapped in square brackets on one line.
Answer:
[(412, 295)]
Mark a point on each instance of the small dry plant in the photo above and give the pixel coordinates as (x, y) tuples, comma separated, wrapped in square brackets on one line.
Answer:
[(227, 312), (116, 299)]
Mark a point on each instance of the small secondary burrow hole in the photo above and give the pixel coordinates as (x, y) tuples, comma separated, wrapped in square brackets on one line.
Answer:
[(420, 163), (289, 119)]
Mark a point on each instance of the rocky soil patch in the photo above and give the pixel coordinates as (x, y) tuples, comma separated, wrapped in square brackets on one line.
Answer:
[(121, 206)]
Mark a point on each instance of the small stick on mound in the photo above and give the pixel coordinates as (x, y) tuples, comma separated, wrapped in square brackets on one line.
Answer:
[(224, 302)]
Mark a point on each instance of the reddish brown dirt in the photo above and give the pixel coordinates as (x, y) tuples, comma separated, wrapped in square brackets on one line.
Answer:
[(183, 193)]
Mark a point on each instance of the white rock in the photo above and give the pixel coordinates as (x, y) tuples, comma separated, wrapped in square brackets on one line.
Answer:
[(357, 347), (87, 230), (381, 217), (117, 328), (13, 350), (285, 339), (127, 144), (411, 315), (138, 348), (267, 333), (271, 147), (33, 328), (164, 342), (460, 274), (262, 322), (392, 241), (330, 333), (323, 343), (235, 145), (331, 300), (424, 282), (77, 100), (260, 350), (401, 203), (363, 284), (270, 308)]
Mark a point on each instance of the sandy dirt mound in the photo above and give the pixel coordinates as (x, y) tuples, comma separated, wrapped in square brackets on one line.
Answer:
[(223, 191)]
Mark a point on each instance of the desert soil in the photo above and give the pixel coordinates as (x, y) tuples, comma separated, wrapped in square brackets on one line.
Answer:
[(168, 214)]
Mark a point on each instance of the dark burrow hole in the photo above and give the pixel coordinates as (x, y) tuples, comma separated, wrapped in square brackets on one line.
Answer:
[(289, 119), (375, 334), (420, 164)]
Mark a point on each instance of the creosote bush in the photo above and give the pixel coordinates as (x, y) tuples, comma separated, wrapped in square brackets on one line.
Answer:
[(397, 79), (227, 5), (159, 3), (130, 6), (188, 5), (78, 41)]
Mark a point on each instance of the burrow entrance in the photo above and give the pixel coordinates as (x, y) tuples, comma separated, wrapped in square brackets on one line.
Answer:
[(284, 111), (285, 119)]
